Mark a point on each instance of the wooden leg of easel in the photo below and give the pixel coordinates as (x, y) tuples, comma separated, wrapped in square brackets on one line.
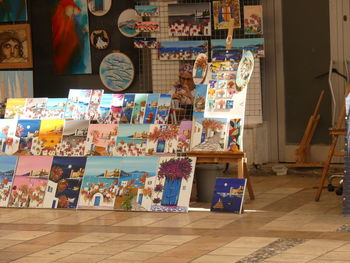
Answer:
[(240, 168), (249, 182)]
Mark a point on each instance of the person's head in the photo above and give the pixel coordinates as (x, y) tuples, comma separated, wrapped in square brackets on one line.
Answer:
[(10, 46), (185, 76)]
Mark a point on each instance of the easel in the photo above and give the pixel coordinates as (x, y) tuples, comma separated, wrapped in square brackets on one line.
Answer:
[(335, 132)]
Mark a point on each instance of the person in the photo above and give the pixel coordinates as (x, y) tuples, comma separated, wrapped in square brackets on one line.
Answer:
[(11, 48)]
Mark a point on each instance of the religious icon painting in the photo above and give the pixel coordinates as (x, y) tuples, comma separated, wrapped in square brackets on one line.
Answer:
[(253, 20), (147, 10), (127, 22), (117, 71), (70, 33), (224, 11), (99, 7), (100, 39), (7, 171), (13, 11), (15, 46)]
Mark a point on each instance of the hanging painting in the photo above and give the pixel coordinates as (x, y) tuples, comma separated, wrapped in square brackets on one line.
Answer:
[(172, 187), (235, 134), (70, 33), (228, 195), (100, 39), (147, 10), (253, 20), (16, 46), (200, 69), (100, 184), (145, 42), (29, 184), (99, 7), (13, 11), (117, 71), (127, 22), (7, 171), (189, 19), (55, 108), (147, 26), (182, 50), (101, 139), (16, 84), (64, 182), (26, 131), (224, 11)]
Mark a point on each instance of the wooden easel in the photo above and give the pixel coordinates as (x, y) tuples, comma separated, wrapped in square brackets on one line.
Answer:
[(335, 132), (303, 149)]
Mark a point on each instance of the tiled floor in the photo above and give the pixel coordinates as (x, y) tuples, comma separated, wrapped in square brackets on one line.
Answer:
[(282, 225)]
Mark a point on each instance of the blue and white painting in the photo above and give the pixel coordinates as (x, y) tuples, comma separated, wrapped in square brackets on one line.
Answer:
[(127, 22), (105, 105), (13, 10), (117, 72), (147, 10), (7, 169), (55, 108), (199, 100), (182, 50), (255, 45)]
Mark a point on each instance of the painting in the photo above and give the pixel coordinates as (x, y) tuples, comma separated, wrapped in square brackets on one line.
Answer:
[(162, 139), (209, 134), (8, 142), (34, 108), (200, 69), (16, 84), (78, 104), (13, 11), (15, 108), (70, 34), (255, 45), (131, 140), (151, 108), (199, 100), (245, 69), (63, 186), (73, 138), (16, 46), (101, 139), (163, 110), (116, 109), (105, 107), (228, 195), (138, 113), (147, 26), (224, 12), (100, 183), (253, 20), (117, 72), (100, 39), (7, 171), (99, 7), (136, 183), (189, 19), (173, 184), (147, 10), (55, 108), (184, 137), (26, 131), (127, 22), (145, 42), (128, 107), (95, 100), (235, 134), (29, 184), (182, 50)]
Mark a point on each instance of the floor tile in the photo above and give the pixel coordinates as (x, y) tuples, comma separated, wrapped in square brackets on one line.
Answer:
[(216, 259), (96, 237), (152, 248), (132, 255), (172, 239), (25, 235)]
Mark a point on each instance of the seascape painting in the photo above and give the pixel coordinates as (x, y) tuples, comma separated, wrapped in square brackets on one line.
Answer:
[(147, 26), (26, 131), (70, 33), (55, 108), (255, 45), (13, 11), (145, 42), (7, 170), (127, 22), (147, 10), (182, 50)]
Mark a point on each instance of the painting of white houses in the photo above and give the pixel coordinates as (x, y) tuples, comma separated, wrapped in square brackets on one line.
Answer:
[(101, 139), (7, 170), (100, 183), (74, 138), (162, 139), (8, 142)]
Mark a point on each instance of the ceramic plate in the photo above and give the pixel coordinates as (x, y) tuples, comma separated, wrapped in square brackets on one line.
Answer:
[(245, 69)]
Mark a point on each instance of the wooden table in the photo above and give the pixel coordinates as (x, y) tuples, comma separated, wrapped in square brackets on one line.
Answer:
[(226, 157)]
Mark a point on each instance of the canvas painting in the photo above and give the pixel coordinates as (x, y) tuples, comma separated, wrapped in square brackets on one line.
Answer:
[(95, 100), (34, 108), (29, 184), (182, 50), (163, 110), (162, 139), (101, 139), (145, 42), (55, 108), (235, 134), (128, 106), (173, 184), (136, 183), (13, 11), (147, 10), (151, 108), (127, 22), (200, 69), (255, 45), (26, 131), (8, 142), (199, 100), (74, 138), (78, 104), (131, 140), (147, 26), (253, 20), (184, 137), (50, 136), (228, 195), (70, 34), (138, 113), (16, 84), (100, 183), (224, 12), (105, 107), (63, 186), (116, 109), (209, 134), (15, 108), (7, 171), (16, 46), (223, 66), (189, 19)]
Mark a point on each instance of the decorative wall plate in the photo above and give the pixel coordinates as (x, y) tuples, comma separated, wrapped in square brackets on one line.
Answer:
[(99, 7), (99, 39), (200, 69), (127, 22), (245, 69), (117, 71)]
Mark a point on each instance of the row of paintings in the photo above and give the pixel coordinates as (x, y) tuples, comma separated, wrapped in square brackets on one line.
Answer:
[(158, 184)]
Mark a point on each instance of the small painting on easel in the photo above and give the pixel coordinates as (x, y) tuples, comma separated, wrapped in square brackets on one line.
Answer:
[(224, 11)]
